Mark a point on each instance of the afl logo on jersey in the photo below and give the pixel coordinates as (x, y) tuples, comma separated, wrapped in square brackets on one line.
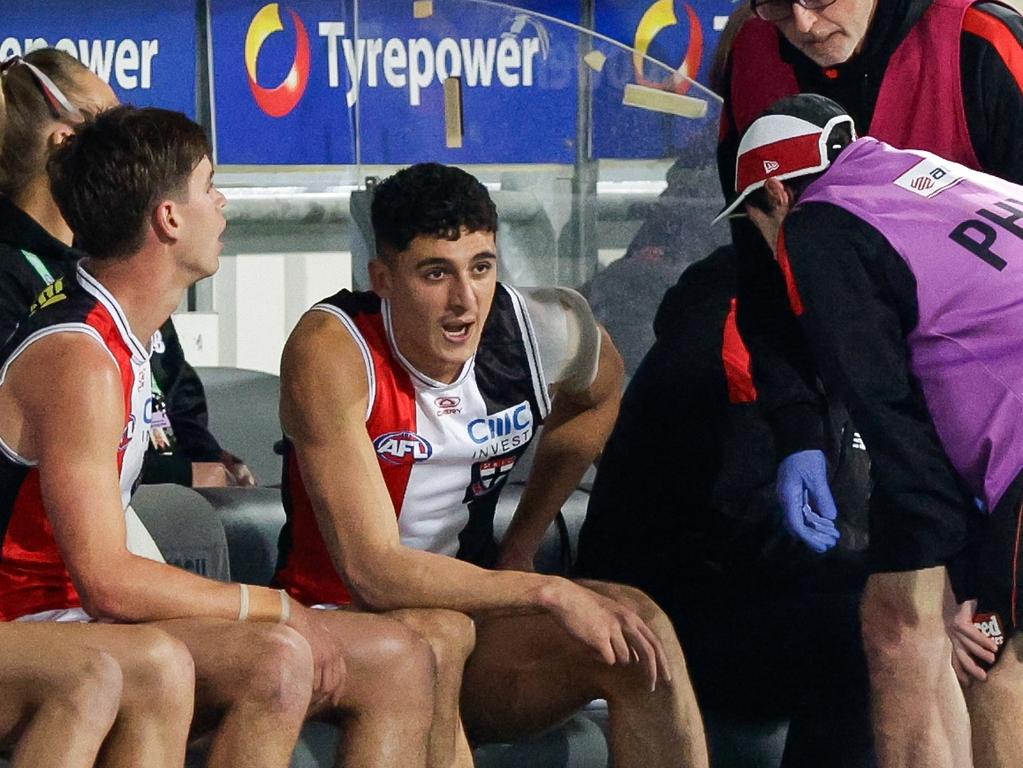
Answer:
[(402, 448)]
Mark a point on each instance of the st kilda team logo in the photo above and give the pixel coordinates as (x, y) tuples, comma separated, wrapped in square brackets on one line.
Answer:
[(488, 476)]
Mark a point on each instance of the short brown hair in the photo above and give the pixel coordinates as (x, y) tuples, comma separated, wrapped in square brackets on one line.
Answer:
[(107, 177), (24, 110)]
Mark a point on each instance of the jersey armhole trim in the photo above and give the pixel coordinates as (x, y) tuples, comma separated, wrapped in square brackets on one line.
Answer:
[(532, 347), (360, 340)]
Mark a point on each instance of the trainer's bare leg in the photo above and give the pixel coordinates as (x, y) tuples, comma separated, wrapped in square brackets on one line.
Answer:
[(527, 674), (452, 637), (387, 701), (254, 680), (85, 676), (920, 718), (996, 710)]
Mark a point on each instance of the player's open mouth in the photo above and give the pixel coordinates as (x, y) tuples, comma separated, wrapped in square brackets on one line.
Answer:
[(456, 333)]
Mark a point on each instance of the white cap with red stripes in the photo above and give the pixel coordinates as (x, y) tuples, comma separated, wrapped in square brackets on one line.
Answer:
[(793, 138)]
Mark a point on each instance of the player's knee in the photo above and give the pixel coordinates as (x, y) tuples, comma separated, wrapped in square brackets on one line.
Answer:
[(160, 676), (644, 606), (279, 676), (91, 693), (451, 635), (404, 671)]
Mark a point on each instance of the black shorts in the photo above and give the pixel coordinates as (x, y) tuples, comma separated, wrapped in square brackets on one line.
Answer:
[(983, 552)]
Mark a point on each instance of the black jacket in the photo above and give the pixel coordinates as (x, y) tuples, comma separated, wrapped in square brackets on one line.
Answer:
[(683, 503)]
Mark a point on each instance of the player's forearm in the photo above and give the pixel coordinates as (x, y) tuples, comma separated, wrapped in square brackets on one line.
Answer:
[(135, 589), (562, 457), (570, 442), (410, 578)]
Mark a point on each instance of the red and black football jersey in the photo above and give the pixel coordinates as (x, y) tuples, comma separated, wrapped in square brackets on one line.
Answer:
[(33, 577), (445, 450)]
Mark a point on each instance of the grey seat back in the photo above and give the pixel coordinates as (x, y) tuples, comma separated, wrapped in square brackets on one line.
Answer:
[(243, 416)]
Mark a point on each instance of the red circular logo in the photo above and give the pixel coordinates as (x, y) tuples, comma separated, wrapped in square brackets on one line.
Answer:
[(282, 98)]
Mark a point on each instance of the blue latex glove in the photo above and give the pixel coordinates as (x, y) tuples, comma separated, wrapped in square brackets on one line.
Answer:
[(809, 509)]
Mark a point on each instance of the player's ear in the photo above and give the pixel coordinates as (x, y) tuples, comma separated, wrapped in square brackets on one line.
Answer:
[(380, 278), (166, 220)]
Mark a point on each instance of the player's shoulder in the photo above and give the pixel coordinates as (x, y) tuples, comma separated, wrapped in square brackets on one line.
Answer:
[(65, 363), (318, 339)]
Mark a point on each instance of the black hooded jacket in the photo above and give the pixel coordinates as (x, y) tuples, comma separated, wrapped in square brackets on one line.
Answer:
[(683, 504)]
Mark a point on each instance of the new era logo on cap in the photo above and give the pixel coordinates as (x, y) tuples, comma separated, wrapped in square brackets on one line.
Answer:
[(790, 140)]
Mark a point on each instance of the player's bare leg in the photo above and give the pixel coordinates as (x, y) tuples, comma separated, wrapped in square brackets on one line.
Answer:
[(528, 674), (254, 681), (452, 637), (81, 684), (69, 697), (387, 702)]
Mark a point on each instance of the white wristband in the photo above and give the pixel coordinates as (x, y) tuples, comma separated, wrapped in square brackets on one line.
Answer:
[(285, 607), (243, 606)]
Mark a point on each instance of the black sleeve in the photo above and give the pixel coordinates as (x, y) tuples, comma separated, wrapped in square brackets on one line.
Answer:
[(186, 399), (11, 308), (992, 72), (860, 303), (783, 371), (18, 290)]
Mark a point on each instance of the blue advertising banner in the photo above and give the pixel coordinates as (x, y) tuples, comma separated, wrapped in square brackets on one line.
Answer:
[(518, 74), (281, 82), (148, 58), (292, 80), (682, 35)]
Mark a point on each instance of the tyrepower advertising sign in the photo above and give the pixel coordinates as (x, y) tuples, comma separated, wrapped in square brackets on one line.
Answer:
[(306, 82), (682, 34), (148, 56)]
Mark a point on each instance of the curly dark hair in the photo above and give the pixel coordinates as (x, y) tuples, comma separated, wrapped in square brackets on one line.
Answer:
[(429, 199), (109, 174)]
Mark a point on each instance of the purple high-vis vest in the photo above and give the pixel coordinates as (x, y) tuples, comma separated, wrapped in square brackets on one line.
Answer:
[(960, 232)]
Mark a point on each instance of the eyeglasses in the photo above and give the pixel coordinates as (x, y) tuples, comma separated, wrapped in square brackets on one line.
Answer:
[(55, 98), (779, 10)]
